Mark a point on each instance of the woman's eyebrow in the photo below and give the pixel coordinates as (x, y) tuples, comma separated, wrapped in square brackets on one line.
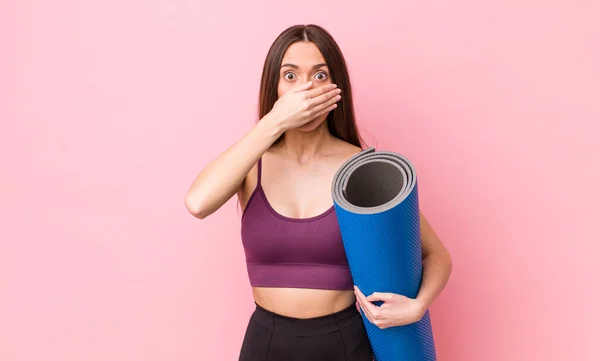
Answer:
[(316, 66)]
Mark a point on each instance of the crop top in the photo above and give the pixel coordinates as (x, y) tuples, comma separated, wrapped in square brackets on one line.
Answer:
[(292, 252)]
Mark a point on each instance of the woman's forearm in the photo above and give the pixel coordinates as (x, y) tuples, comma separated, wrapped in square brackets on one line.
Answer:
[(222, 178), (436, 272)]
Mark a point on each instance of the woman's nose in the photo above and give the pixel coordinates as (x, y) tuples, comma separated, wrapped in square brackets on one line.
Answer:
[(304, 78)]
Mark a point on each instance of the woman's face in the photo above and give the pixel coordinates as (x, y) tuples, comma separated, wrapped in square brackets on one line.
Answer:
[(303, 62)]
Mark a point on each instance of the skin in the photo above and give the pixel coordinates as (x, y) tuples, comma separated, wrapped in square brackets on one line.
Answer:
[(304, 164)]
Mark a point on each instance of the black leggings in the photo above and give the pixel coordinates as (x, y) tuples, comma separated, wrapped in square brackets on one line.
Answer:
[(340, 336)]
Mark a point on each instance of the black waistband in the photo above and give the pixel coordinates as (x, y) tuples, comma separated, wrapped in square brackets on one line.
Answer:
[(274, 322)]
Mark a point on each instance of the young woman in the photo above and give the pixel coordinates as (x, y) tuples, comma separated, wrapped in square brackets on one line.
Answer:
[(281, 171)]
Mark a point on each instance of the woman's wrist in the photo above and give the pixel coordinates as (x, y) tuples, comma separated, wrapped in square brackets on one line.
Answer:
[(271, 126), (263, 134)]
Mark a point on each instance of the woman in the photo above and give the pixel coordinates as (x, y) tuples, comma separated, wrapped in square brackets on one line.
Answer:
[(281, 171)]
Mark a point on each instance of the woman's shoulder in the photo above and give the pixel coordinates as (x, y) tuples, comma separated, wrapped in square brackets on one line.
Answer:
[(346, 150), (341, 153)]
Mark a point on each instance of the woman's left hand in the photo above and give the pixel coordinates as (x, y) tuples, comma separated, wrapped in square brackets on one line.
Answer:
[(397, 310)]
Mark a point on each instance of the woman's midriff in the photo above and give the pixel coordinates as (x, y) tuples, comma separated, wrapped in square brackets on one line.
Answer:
[(302, 302)]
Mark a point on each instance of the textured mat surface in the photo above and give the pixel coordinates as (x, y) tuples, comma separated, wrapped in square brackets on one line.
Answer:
[(376, 201)]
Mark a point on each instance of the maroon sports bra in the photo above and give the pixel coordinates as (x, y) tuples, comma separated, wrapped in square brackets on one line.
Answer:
[(292, 252)]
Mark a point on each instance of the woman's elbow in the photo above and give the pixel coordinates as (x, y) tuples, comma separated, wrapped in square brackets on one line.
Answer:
[(448, 259), (196, 206)]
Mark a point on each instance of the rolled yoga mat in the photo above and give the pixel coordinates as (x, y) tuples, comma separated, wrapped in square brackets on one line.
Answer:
[(376, 203)]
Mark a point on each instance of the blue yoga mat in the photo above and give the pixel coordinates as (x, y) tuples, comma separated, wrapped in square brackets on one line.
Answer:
[(376, 202)]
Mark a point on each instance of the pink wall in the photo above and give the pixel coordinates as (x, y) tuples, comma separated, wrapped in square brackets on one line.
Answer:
[(109, 109)]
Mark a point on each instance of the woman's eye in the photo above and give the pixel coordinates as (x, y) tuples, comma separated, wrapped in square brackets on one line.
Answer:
[(289, 76), (321, 75)]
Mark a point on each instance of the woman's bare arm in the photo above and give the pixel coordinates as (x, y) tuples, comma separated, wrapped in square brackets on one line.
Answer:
[(222, 178)]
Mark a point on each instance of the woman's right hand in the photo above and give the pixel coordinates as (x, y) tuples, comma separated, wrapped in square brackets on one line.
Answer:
[(300, 105)]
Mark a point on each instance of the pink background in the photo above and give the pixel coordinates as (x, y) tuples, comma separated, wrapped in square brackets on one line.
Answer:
[(109, 109)]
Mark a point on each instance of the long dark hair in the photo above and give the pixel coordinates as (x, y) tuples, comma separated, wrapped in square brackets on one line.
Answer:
[(340, 121)]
